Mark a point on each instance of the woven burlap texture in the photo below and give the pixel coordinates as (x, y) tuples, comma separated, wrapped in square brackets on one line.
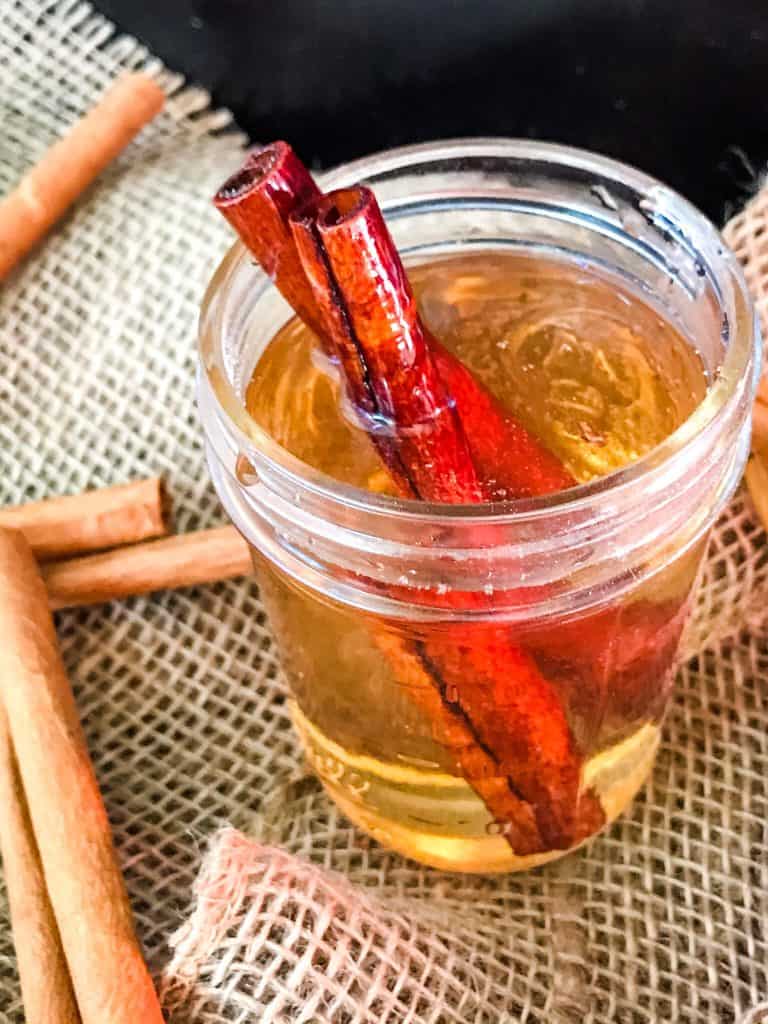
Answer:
[(295, 915)]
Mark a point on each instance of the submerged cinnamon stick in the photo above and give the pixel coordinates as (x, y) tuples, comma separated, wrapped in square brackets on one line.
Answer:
[(510, 461), (513, 711), (109, 977), (454, 730), (92, 521)]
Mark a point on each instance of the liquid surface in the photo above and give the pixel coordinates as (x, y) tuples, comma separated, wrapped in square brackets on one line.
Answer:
[(592, 370)]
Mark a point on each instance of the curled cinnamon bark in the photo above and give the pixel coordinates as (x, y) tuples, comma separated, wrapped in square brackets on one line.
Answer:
[(500, 716), (257, 200), (513, 711)]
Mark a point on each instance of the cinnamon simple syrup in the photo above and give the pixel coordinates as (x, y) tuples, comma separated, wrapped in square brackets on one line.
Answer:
[(601, 378)]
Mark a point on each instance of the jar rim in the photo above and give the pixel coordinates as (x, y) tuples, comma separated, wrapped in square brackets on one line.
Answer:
[(738, 372)]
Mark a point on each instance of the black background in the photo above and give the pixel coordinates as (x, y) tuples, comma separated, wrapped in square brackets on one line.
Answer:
[(677, 87)]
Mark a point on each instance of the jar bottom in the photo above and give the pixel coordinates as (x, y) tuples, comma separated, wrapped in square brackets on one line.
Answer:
[(437, 818)]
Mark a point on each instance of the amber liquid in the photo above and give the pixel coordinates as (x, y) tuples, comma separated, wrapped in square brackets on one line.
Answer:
[(598, 376)]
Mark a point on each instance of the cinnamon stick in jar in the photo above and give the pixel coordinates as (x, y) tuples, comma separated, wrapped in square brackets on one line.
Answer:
[(86, 890), (92, 521)]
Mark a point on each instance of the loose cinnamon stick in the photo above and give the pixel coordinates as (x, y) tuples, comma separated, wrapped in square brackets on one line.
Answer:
[(44, 194), (92, 521), (757, 482), (46, 987), (86, 890), (183, 561)]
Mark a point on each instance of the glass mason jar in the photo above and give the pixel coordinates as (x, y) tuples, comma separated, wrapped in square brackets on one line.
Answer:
[(581, 595)]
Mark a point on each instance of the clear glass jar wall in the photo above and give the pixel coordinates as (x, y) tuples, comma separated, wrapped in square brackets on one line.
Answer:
[(584, 593)]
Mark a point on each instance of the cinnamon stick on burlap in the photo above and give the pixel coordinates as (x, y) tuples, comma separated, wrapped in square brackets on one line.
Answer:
[(86, 890), (46, 987), (46, 192), (185, 560), (91, 521)]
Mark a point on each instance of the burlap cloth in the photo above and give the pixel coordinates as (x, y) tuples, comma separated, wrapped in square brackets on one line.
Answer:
[(298, 917)]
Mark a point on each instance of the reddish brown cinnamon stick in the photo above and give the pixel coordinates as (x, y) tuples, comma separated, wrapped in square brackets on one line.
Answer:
[(454, 730), (258, 201), (368, 310), (368, 315), (433, 399), (509, 460), (515, 713)]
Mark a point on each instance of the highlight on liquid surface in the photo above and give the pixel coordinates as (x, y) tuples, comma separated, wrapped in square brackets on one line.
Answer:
[(592, 370), (599, 377)]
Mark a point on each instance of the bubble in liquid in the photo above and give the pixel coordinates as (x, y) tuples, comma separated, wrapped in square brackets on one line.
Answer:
[(498, 828), (245, 472)]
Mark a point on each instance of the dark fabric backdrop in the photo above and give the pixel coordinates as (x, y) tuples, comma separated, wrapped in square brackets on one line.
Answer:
[(677, 87)]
